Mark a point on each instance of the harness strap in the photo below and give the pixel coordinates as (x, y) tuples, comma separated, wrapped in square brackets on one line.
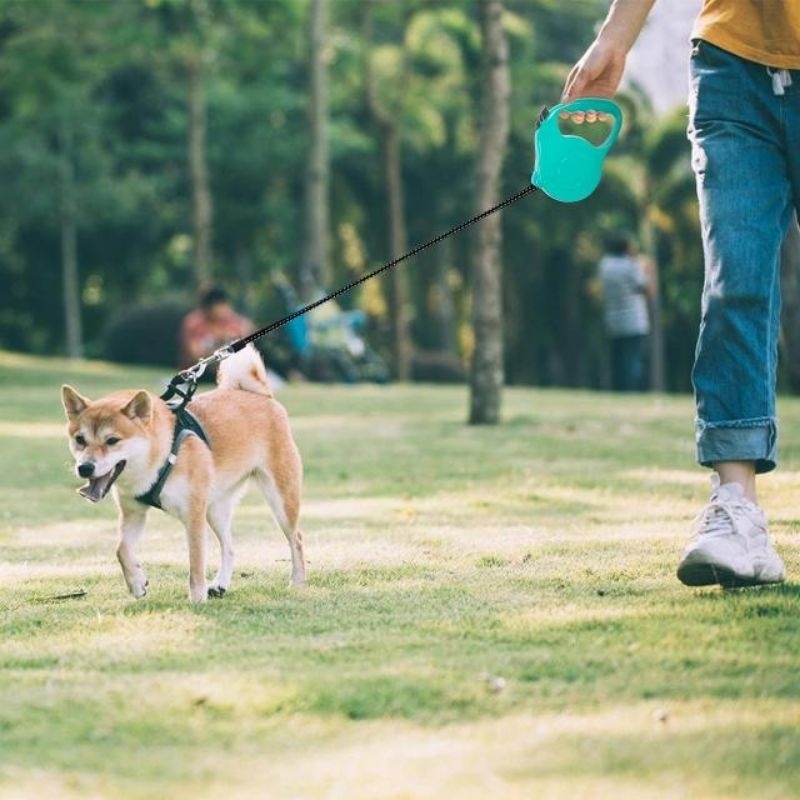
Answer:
[(186, 424)]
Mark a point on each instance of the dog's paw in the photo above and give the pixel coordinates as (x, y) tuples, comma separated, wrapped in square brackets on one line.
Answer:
[(139, 588), (216, 591)]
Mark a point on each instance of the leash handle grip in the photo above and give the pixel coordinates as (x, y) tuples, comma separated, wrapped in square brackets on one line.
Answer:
[(601, 105), (568, 167)]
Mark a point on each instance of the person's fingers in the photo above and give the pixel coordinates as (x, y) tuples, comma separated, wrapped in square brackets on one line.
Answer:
[(590, 116), (570, 82), (576, 80)]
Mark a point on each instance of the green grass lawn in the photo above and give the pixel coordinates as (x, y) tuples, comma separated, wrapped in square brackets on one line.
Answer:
[(541, 551)]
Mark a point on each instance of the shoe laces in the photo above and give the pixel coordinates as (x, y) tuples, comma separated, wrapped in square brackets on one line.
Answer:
[(723, 514), (718, 518)]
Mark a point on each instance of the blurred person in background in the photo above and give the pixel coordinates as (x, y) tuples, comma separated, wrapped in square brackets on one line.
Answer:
[(211, 325), (625, 284)]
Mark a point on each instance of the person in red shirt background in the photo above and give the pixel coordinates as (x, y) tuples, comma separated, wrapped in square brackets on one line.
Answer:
[(210, 326)]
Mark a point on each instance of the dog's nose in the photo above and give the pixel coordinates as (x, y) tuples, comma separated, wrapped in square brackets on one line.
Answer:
[(86, 469)]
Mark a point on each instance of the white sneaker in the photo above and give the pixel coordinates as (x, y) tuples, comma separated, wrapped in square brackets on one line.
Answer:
[(730, 545)]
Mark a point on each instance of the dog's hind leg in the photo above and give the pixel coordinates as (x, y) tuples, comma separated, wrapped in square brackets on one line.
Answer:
[(196, 538), (284, 500), (220, 515)]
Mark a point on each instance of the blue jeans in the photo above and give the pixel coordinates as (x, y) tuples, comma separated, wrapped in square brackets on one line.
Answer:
[(746, 158), (627, 363)]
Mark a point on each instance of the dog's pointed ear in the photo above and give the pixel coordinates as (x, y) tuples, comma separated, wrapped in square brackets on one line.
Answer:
[(73, 402), (139, 407)]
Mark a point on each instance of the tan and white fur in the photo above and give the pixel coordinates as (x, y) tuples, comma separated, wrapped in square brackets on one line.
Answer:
[(121, 441)]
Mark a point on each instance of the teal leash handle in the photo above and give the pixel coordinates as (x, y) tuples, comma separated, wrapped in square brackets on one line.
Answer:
[(568, 167)]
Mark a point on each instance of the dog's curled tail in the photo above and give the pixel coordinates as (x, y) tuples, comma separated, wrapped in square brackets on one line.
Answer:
[(244, 370)]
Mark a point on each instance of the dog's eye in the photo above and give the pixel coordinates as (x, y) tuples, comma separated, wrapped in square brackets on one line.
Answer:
[(80, 441), (112, 440)]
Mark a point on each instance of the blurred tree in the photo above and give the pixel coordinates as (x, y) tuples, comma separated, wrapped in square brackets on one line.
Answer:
[(486, 378), (386, 101), (185, 38), (553, 331), (259, 141), (52, 135), (437, 128), (443, 49), (68, 214), (197, 58), (669, 210), (315, 260)]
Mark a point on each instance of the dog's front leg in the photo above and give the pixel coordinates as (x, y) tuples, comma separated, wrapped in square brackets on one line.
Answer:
[(131, 525)]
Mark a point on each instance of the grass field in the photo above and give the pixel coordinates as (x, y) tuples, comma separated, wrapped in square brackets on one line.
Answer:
[(442, 557)]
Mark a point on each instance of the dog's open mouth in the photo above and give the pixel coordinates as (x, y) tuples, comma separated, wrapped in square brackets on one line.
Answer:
[(98, 487)]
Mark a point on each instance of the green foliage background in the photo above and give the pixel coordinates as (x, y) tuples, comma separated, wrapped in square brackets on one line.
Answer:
[(112, 74)]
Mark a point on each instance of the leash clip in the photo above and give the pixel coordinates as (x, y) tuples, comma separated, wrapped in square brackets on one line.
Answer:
[(193, 374), (183, 386), (543, 115)]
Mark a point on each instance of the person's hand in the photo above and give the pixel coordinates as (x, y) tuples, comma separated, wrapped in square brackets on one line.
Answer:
[(597, 74)]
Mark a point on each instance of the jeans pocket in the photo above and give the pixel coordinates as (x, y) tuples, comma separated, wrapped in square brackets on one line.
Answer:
[(721, 73)]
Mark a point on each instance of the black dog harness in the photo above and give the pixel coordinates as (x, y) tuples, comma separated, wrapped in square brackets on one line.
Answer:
[(186, 424)]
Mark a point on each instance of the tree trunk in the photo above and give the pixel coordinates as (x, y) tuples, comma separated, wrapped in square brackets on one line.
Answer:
[(658, 382), (655, 305), (486, 379), (386, 121), (790, 316), (315, 259), (198, 169), (69, 245), (398, 238)]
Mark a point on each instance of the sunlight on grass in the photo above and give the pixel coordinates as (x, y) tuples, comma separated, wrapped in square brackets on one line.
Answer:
[(100, 640), (32, 430), (521, 756), (655, 476)]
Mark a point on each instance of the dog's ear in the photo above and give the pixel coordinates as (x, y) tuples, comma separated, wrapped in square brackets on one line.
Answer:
[(140, 407), (73, 402)]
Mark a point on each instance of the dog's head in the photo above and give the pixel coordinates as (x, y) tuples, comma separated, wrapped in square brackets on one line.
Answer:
[(104, 435)]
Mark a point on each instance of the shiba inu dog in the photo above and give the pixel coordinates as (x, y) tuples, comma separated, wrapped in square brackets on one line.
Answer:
[(132, 444)]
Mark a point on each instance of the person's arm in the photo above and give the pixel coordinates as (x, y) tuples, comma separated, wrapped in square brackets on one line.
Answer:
[(647, 268), (599, 71)]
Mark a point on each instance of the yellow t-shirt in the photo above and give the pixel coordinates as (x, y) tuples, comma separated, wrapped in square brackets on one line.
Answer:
[(764, 31)]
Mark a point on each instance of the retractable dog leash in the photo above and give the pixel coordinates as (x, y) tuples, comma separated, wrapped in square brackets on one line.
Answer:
[(567, 168)]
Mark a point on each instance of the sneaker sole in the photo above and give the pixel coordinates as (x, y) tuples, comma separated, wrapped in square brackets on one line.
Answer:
[(705, 574)]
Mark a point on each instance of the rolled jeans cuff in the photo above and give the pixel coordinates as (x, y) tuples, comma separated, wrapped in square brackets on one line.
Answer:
[(740, 440)]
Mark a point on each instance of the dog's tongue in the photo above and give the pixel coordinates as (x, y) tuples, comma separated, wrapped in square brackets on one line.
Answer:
[(97, 488)]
